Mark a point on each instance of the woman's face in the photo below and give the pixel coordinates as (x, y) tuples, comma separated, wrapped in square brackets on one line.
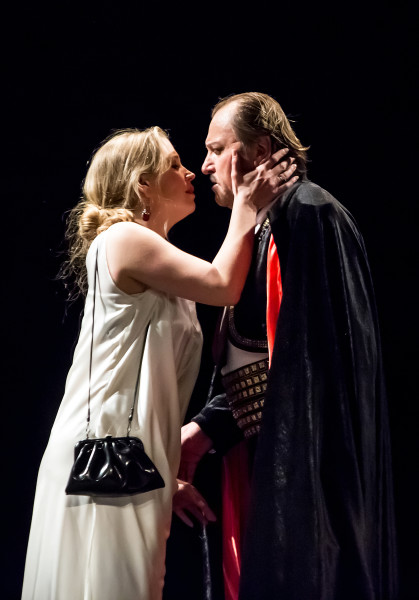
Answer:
[(174, 187)]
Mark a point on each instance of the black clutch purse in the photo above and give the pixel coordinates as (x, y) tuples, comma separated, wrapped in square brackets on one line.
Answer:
[(112, 466)]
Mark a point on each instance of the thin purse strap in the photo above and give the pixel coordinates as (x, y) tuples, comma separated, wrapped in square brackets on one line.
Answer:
[(91, 345), (137, 383)]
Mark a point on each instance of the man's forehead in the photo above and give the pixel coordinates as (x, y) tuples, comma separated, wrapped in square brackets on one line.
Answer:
[(220, 130), (225, 114)]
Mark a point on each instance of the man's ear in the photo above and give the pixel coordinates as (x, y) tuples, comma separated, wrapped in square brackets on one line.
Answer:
[(263, 149)]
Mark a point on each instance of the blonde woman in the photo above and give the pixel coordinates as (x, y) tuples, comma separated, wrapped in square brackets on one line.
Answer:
[(136, 189)]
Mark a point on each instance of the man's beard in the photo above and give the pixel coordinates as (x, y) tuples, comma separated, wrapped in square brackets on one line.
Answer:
[(225, 198)]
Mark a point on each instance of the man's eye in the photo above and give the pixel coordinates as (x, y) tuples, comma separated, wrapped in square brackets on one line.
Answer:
[(217, 150)]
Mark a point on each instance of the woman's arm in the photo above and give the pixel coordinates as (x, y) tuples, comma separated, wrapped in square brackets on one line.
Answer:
[(137, 253)]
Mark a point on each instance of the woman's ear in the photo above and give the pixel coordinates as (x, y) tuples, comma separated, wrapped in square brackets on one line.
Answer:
[(144, 187)]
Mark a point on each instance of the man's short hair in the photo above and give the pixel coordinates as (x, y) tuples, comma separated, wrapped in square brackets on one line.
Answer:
[(258, 114)]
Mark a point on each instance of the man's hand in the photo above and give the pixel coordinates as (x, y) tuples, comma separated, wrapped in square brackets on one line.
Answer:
[(195, 444), (186, 500)]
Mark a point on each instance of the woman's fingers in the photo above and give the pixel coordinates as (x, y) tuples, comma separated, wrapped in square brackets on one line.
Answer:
[(280, 154), (286, 179), (283, 166), (285, 186), (277, 168), (276, 157), (282, 174), (234, 171), (234, 163), (286, 173)]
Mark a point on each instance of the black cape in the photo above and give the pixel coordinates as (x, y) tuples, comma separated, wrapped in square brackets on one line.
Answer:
[(321, 525)]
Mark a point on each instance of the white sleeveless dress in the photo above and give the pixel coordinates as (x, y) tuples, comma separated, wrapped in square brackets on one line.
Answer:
[(83, 548)]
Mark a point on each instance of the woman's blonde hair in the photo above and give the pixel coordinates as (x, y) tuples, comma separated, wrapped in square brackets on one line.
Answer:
[(110, 192), (258, 114)]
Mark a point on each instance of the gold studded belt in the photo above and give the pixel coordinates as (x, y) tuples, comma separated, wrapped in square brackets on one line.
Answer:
[(245, 389)]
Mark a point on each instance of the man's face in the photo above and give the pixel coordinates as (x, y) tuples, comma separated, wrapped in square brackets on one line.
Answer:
[(220, 143)]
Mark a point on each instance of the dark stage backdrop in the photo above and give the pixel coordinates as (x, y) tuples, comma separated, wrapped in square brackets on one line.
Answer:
[(346, 75)]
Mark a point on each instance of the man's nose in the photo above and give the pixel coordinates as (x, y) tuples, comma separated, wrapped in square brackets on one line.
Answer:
[(207, 166)]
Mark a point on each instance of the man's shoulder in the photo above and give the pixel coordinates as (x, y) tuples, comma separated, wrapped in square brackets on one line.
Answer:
[(311, 194), (304, 195), (309, 198), (308, 202)]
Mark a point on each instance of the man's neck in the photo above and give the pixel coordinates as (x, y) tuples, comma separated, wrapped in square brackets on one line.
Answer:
[(261, 216)]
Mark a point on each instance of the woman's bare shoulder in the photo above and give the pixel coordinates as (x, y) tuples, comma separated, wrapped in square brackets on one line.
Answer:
[(128, 232), (123, 228)]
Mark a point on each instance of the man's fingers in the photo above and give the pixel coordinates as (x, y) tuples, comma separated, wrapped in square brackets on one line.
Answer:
[(183, 516), (198, 514), (197, 510), (203, 507), (209, 514), (206, 511), (202, 512), (188, 502)]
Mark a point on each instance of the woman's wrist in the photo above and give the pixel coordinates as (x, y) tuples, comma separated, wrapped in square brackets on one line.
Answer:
[(245, 198)]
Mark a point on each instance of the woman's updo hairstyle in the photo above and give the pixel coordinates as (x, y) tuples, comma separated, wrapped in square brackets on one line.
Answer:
[(110, 192)]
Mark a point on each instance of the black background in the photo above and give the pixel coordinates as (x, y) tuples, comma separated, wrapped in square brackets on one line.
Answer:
[(346, 74)]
